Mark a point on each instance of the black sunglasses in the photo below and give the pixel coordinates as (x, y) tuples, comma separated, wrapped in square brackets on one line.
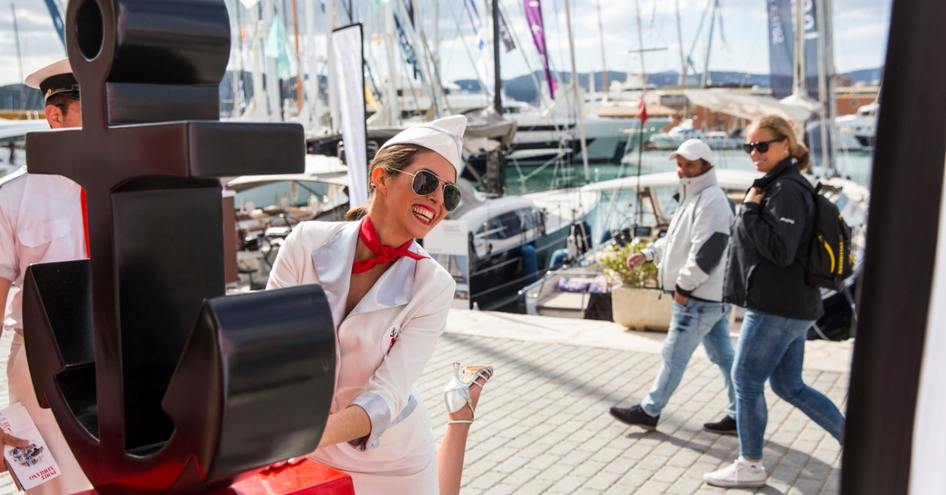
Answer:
[(425, 182), (762, 146)]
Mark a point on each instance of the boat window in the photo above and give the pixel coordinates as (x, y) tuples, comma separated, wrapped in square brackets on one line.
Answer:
[(529, 219), (290, 193), (505, 226)]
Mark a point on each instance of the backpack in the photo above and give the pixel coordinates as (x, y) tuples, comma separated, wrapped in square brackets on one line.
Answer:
[(830, 257)]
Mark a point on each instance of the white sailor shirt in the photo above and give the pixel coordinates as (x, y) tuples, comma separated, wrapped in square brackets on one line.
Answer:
[(40, 222)]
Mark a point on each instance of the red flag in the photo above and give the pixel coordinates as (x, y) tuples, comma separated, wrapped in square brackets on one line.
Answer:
[(642, 110)]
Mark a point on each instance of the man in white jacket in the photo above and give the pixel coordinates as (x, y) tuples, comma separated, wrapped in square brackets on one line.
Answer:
[(690, 260)]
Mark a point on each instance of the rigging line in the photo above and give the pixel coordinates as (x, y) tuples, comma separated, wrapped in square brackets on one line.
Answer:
[(478, 31), (522, 51), (752, 52), (466, 47), (699, 30), (722, 31), (559, 129), (436, 83), (408, 77), (558, 32)]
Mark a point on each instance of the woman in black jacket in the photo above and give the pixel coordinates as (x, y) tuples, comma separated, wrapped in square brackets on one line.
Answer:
[(766, 275)]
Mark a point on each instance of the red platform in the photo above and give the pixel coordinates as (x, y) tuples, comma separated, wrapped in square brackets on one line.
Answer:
[(305, 478)]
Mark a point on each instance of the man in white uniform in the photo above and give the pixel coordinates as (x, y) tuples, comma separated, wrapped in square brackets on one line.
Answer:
[(41, 221)]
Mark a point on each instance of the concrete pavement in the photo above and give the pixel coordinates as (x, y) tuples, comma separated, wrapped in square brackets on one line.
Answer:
[(543, 425)]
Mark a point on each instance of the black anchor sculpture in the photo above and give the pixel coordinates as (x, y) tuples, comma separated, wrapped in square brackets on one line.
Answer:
[(159, 383)]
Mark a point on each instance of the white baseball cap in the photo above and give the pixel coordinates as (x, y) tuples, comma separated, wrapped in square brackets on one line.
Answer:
[(694, 149), (443, 136)]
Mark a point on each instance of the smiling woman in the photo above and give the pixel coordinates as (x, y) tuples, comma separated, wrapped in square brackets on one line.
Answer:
[(389, 303)]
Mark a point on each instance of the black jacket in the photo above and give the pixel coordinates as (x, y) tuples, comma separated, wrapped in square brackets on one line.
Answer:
[(766, 269)]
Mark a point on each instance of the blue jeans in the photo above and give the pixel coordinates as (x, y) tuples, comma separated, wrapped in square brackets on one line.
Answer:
[(772, 348), (696, 322)]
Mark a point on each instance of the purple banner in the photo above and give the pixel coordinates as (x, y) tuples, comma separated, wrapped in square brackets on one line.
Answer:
[(534, 16)]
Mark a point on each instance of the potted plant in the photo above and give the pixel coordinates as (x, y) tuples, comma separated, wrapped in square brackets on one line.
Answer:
[(637, 303)]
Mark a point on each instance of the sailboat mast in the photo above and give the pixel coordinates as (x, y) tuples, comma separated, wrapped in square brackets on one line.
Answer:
[(273, 96), (799, 83), (605, 83), (576, 92), (16, 36), (497, 76), (683, 60), (640, 44), (825, 158), (640, 135), (436, 18), (312, 118), (709, 45), (393, 103), (332, 15), (827, 33)]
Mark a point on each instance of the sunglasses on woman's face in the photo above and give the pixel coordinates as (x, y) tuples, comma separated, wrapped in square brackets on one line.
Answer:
[(425, 182), (762, 146)]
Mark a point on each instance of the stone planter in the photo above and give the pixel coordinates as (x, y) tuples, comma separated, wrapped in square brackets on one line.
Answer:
[(641, 309)]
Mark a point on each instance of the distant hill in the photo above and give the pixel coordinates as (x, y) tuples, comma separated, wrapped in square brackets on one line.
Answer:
[(523, 88), (868, 76)]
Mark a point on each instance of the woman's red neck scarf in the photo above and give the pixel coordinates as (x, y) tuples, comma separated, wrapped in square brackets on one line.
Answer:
[(382, 254)]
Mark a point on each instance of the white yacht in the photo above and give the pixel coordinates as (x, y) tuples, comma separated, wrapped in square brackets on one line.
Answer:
[(857, 131), (494, 246), (13, 132)]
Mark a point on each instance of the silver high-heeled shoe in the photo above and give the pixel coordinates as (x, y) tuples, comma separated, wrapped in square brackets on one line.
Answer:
[(456, 395)]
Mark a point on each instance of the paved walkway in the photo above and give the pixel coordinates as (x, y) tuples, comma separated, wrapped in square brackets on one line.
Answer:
[(543, 423), (543, 426)]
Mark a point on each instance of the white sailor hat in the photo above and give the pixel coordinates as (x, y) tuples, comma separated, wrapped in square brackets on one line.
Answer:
[(443, 136), (54, 79)]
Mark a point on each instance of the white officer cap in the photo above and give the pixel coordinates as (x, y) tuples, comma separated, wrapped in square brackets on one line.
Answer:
[(53, 79), (694, 149), (443, 136)]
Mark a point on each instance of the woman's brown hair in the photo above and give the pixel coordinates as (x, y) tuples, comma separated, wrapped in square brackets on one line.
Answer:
[(394, 157), (784, 129)]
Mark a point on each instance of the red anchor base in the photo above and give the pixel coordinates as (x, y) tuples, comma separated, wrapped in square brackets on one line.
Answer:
[(305, 478)]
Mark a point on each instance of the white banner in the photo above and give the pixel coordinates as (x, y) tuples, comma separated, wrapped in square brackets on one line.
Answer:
[(448, 237), (448, 244), (349, 77)]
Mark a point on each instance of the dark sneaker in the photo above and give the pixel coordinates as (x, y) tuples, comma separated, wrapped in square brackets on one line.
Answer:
[(725, 426), (635, 416)]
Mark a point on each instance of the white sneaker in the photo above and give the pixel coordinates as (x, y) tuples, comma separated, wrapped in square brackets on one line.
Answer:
[(739, 474)]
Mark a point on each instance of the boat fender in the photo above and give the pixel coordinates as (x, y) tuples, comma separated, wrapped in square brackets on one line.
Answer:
[(530, 264), (559, 257), (572, 246)]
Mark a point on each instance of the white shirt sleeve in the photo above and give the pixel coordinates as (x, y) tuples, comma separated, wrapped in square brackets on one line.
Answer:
[(9, 265), (287, 269), (389, 390)]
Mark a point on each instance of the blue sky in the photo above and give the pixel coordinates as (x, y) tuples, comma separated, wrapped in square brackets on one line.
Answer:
[(860, 35)]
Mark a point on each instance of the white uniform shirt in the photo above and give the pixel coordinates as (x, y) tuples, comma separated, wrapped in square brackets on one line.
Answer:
[(40, 222), (382, 347)]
